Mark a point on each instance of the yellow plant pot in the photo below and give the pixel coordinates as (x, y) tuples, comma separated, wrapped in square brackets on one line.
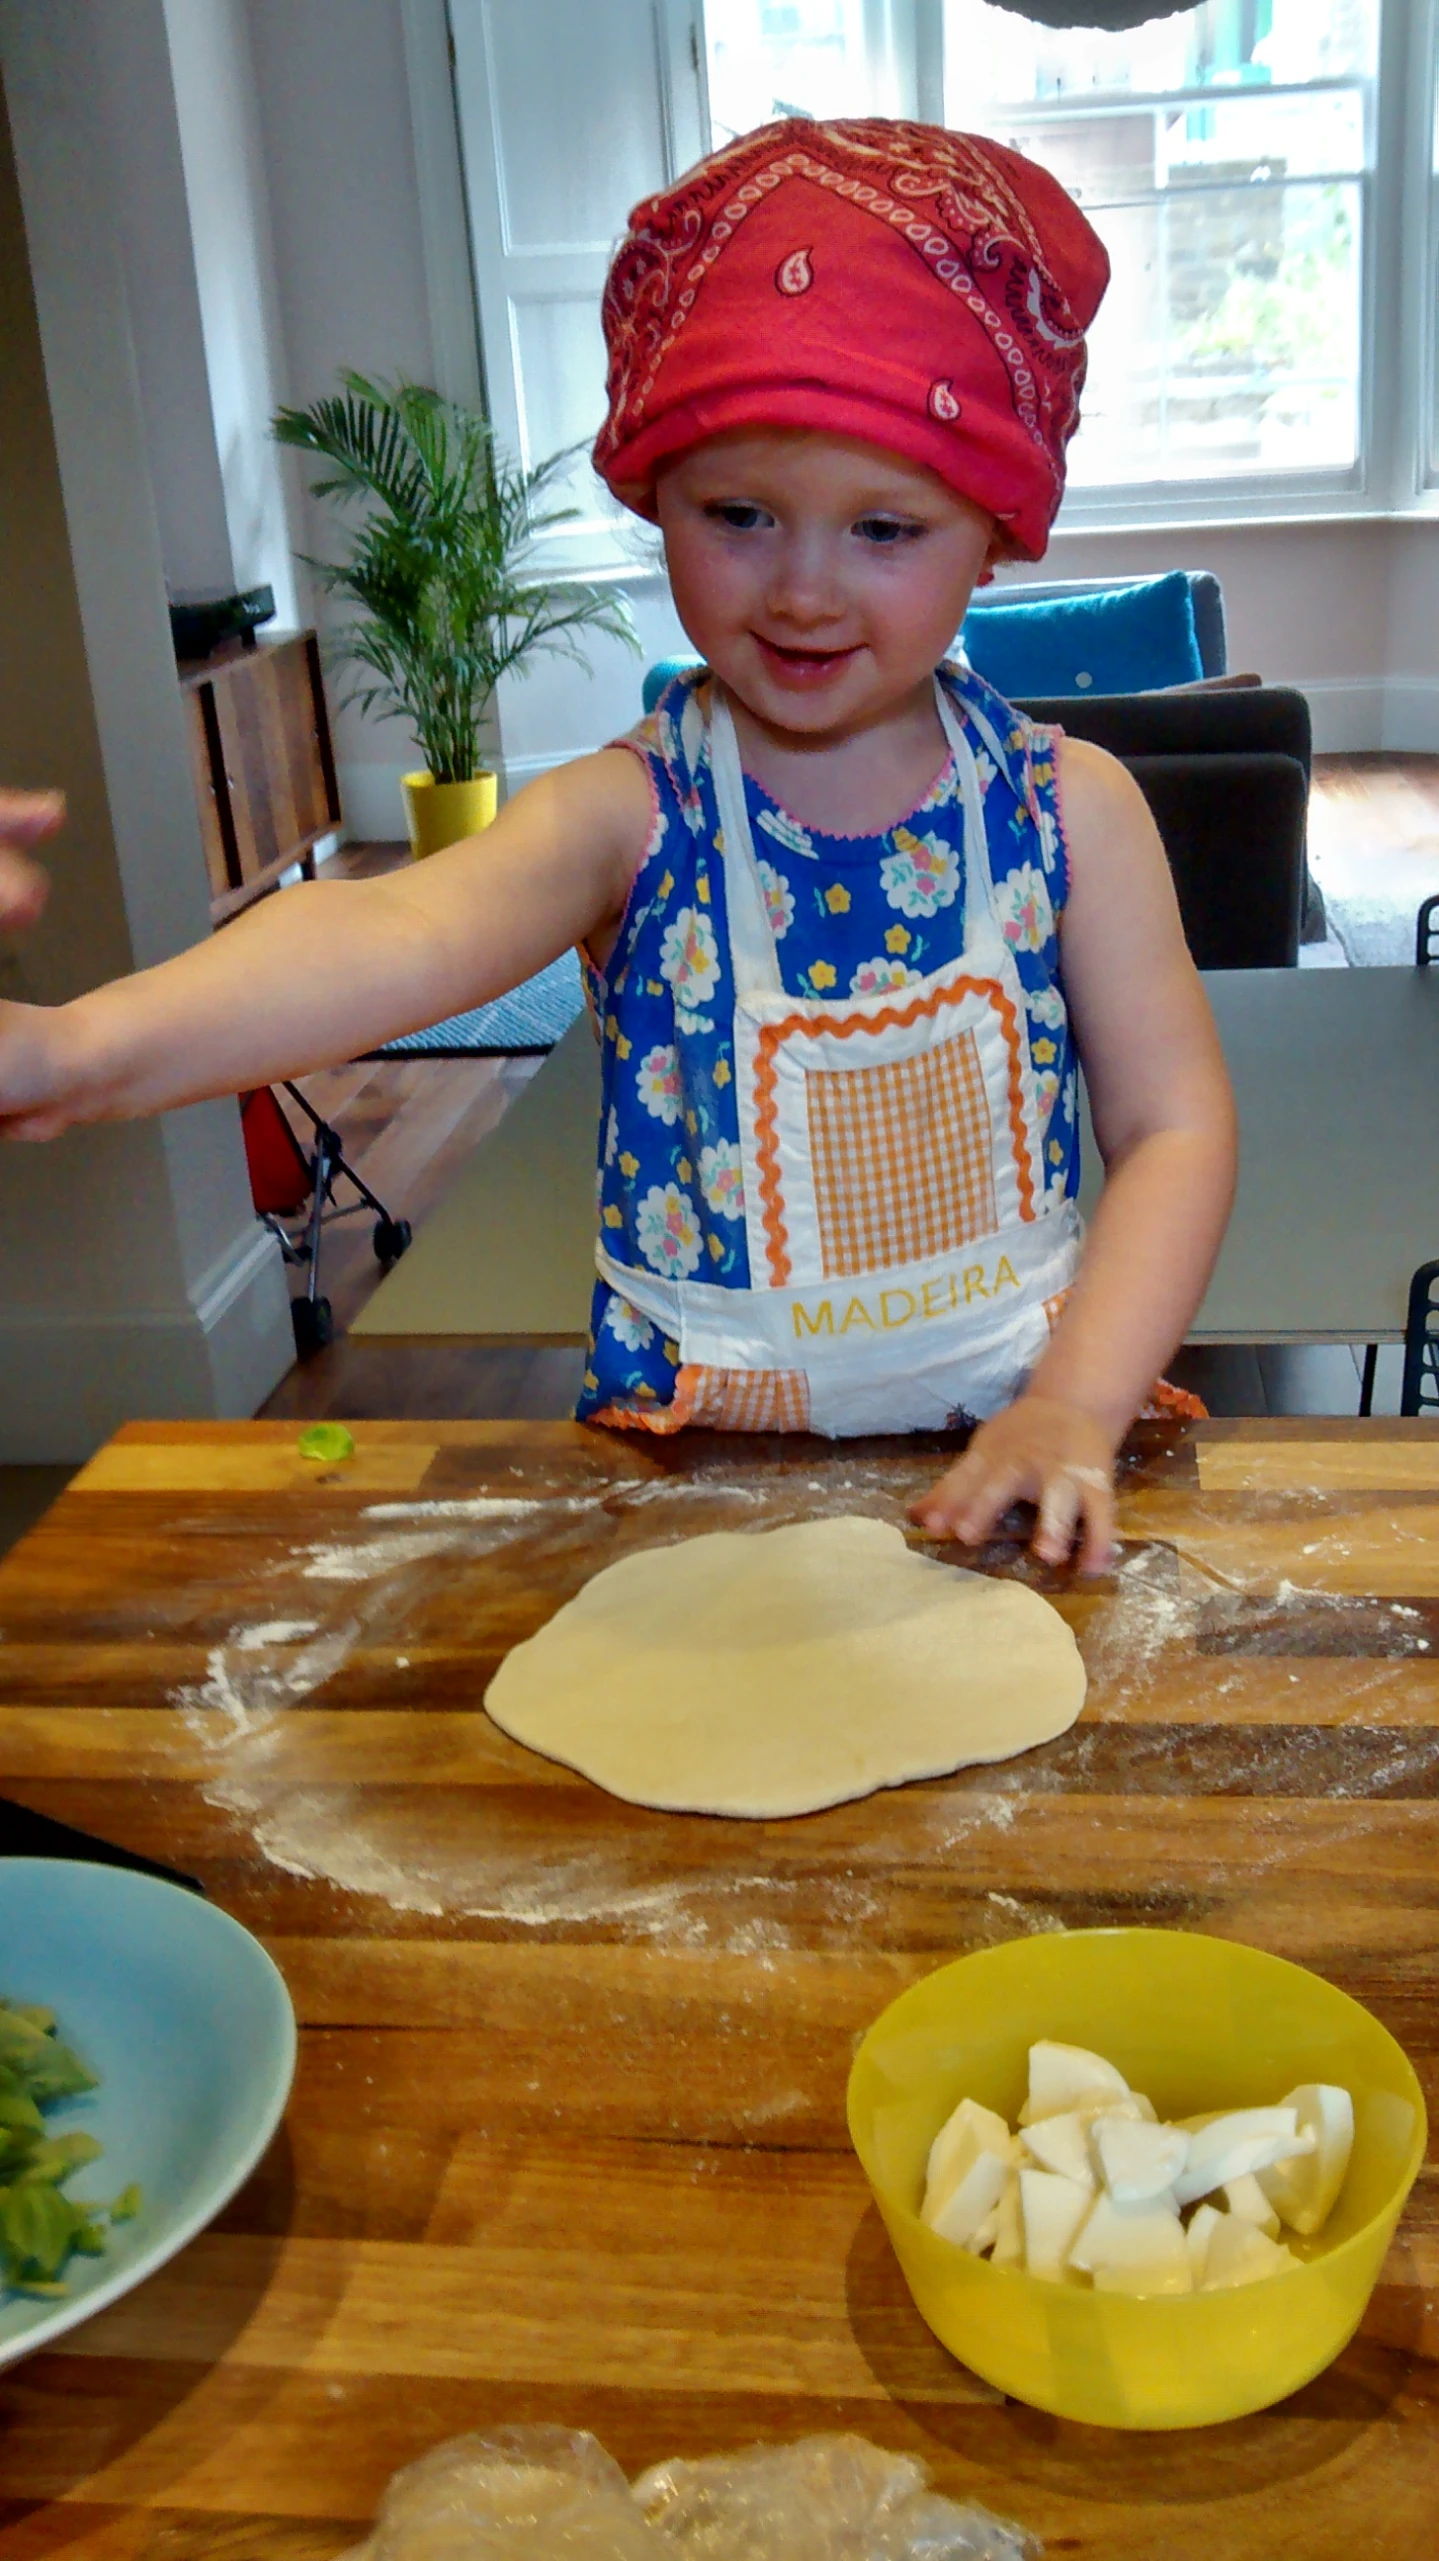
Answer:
[(439, 814)]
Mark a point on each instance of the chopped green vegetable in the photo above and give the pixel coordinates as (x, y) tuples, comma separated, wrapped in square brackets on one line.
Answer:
[(40, 2227), (327, 1441)]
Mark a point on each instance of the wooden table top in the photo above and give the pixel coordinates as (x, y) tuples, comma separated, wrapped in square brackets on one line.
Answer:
[(567, 2140)]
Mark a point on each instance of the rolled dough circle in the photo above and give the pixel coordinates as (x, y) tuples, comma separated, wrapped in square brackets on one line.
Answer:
[(773, 1672)]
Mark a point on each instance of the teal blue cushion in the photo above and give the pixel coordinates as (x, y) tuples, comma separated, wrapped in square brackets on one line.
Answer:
[(658, 676), (1124, 640)]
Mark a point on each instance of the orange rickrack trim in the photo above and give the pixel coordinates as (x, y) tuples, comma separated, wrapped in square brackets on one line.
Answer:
[(844, 1027), (652, 1418)]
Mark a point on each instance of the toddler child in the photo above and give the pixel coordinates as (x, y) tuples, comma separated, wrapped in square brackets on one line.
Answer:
[(848, 923)]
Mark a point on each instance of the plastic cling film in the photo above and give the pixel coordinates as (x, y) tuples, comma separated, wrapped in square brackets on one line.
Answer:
[(552, 2494), (828, 2498)]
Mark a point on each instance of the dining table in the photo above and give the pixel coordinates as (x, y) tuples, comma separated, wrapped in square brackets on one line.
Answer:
[(1335, 1074), (567, 2137)]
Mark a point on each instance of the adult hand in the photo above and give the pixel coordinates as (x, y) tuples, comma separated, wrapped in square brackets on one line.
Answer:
[(26, 819), (1039, 1450)]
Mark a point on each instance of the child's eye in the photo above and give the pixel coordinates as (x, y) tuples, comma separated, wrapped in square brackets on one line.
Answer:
[(887, 531), (738, 513)]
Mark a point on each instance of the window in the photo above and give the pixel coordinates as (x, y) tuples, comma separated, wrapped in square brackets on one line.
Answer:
[(1225, 157), (1265, 174), (770, 58)]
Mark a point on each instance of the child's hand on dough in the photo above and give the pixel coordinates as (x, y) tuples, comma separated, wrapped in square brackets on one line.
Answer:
[(1041, 1451)]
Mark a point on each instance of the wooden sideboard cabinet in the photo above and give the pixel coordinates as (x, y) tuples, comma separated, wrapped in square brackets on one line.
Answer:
[(264, 765)]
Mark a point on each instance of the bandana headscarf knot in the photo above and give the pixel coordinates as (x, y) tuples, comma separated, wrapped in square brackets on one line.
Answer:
[(924, 291)]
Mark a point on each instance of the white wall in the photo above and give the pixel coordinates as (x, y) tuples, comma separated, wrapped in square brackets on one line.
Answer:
[(334, 112), (133, 1276), (132, 60), (235, 266)]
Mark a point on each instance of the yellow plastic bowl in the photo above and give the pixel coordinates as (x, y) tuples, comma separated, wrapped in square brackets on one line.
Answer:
[(1196, 2023)]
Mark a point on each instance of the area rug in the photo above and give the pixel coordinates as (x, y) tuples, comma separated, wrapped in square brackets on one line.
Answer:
[(1372, 890), (524, 1024)]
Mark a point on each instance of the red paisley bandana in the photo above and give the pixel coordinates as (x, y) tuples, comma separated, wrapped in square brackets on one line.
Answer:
[(924, 291)]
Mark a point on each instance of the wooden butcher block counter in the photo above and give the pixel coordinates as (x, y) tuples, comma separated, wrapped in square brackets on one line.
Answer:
[(567, 2140)]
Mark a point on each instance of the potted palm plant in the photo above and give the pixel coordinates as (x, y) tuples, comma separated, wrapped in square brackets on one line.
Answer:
[(439, 578)]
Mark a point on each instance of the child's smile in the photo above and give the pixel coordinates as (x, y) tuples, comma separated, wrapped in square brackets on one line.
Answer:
[(823, 579)]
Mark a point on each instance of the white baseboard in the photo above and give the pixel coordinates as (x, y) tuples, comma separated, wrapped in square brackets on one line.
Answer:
[(71, 1379), (1397, 713), (1411, 715)]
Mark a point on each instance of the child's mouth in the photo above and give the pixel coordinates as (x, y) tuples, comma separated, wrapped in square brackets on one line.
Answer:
[(802, 667)]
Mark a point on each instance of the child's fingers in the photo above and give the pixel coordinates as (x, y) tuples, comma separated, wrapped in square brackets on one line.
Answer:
[(1094, 1511), (967, 1502), (1061, 1502)]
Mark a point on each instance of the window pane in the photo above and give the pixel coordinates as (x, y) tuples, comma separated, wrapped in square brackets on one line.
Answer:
[(992, 55), (1112, 154), (772, 58), (1229, 341)]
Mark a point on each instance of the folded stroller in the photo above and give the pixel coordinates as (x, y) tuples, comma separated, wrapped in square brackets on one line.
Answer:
[(294, 1193)]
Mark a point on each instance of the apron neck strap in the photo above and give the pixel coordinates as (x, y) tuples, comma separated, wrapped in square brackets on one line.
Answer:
[(752, 946), (979, 882), (751, 938)]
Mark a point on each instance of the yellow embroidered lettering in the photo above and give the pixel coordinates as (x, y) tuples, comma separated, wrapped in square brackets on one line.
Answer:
[(821, 1322), (857, 1314), (974, 1283), (910, 1309), (930, 1287), (1005, 1276)]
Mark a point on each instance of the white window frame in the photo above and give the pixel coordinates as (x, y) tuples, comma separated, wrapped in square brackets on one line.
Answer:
[(1398, 471), (1388, 477)]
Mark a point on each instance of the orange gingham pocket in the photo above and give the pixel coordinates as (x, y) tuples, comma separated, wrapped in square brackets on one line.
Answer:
[(903, 1157), (745, 1400)]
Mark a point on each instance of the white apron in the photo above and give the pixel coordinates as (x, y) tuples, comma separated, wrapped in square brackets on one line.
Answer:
[(905, 1269)]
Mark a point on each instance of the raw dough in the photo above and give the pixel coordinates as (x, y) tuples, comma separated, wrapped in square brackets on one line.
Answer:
[(775, 1671)]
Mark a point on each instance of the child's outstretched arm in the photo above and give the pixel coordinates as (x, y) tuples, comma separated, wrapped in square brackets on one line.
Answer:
[(1164, 1118), (318, 973)]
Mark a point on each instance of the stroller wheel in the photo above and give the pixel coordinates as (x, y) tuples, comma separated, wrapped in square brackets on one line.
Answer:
[(392, 1235), (314, 1325)]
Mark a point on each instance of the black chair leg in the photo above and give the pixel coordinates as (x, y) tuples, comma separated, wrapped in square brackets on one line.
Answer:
[(1366, 1384), (1420, 1391)]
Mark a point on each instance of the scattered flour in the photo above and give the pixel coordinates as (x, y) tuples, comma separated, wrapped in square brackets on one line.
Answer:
[(351, 1561), (468, 1507), (1035, 1923), (258, 1672)]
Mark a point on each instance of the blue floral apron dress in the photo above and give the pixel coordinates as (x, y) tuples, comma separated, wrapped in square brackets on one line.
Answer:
[(838, 1142)]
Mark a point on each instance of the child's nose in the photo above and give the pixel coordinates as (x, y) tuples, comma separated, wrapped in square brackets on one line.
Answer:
[(804, 587)]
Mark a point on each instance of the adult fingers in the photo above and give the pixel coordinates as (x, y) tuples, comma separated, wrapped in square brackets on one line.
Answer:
[(24, 888), (27, 817)]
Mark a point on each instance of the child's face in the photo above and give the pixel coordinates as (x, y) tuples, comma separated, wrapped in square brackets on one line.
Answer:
[(821, 578)]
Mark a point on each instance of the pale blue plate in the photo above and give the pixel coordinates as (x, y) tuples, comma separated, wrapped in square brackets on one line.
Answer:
[(189, 2027)]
